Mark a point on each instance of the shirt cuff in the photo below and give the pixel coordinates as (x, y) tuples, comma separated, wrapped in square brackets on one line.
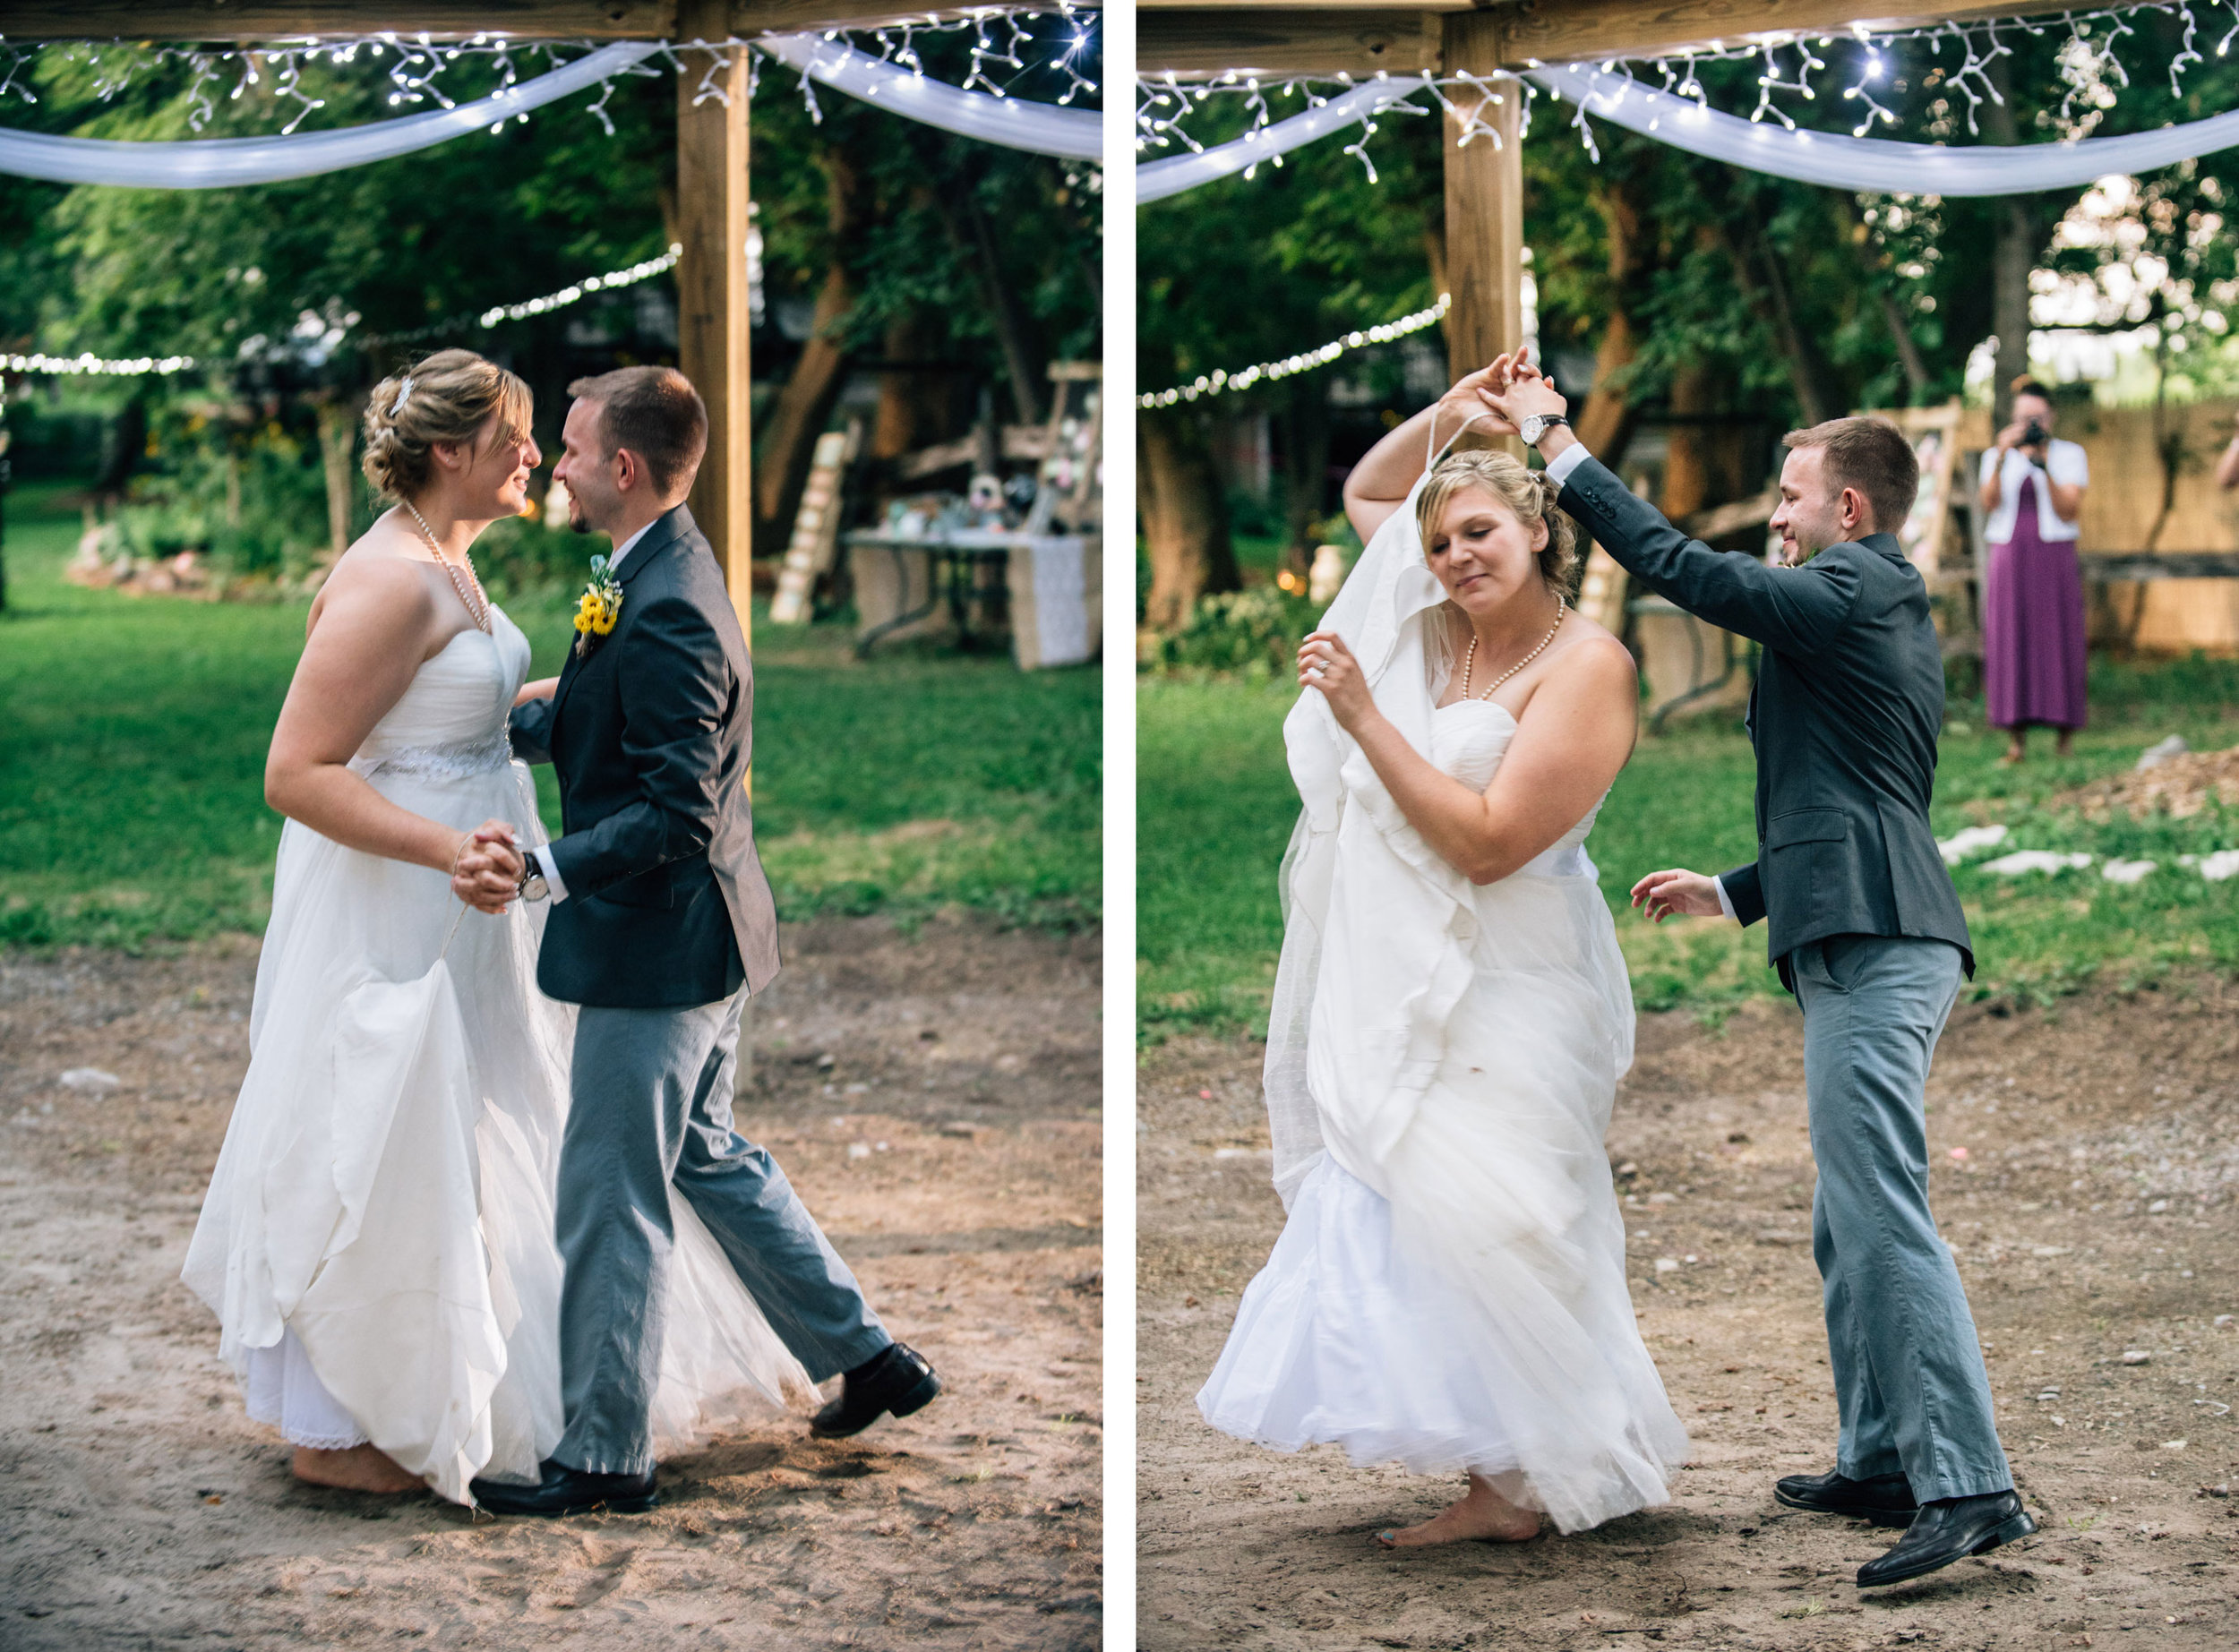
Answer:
[(1570, 459), (1725, 901), (559, 891)]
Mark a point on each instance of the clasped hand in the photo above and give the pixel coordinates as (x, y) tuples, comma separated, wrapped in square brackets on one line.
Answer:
[(1511, 390), (486, 871)]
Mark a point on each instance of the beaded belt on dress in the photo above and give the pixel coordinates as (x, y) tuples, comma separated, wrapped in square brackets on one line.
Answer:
[(454, 761)]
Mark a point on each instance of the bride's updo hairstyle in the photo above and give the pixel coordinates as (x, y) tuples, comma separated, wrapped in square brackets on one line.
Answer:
[(445, 397), (1530, 493)]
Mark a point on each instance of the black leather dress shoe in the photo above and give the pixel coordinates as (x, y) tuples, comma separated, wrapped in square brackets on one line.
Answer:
[(569, 1491), (1886, 1499), (895, 1382), (1948, 1529)]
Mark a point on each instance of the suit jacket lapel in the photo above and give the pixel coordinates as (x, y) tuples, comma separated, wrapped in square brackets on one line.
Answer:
[(665, 531)]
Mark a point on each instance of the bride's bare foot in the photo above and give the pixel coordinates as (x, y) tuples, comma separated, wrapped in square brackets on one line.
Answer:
[(1483, 1516), (360, 1468)]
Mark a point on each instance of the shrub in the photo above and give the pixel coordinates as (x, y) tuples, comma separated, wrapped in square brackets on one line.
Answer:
[(1252, 634)]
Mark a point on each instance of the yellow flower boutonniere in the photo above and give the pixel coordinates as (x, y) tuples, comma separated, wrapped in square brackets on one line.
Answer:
[(597, 609)]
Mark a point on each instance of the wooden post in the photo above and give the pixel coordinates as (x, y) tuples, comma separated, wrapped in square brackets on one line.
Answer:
[(711, 197), (1484, 202), (711, 328)]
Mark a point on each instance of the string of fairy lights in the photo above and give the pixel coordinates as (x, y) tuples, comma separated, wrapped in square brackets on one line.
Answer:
[(1305, 361), (326, 333), (1005, 46), (1858, 67)]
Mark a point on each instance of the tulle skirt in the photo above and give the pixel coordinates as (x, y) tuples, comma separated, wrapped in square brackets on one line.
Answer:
[(378, 1239), (1478, 1317)]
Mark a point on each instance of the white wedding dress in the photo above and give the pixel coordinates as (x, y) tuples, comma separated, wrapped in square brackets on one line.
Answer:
[(1448, 1292), (378, 1239)]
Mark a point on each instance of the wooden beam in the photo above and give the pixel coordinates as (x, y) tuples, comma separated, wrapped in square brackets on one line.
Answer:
[(711, 196), (450, 20), (1484, 205), (1190, 36), (274, 20), (1357, 41), (1560, 31)]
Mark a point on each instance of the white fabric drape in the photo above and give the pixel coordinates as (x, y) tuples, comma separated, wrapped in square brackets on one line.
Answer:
[(1830, 159), (226, 163), (1842, 162), (1157, 179), (1038, 128)]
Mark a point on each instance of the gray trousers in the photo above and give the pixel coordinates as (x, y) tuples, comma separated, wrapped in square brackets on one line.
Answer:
[(649, 1107), (1911, 1387)]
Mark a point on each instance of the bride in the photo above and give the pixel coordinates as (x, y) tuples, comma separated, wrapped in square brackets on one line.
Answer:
[(1451, 1018), (377, 1241)]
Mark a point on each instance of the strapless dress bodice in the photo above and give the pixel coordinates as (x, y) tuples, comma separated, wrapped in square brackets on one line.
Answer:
[(451, 720), (1468, 739)]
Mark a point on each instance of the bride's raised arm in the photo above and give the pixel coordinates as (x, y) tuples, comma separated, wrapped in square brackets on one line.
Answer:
[(369, 633), (1379, 483)]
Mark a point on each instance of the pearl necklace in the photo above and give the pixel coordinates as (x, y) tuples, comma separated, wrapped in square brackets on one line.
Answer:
[(1562, 609), (476, 601)]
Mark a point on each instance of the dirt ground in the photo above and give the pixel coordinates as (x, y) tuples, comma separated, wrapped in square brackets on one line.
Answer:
[(2093, 1216), (934, 1097)]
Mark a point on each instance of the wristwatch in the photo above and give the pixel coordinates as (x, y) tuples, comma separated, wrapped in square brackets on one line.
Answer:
[(1537, 425), (532, 885)]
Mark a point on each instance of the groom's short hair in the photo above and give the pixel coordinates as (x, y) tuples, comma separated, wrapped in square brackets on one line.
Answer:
[(1872, 455), (656, 414)]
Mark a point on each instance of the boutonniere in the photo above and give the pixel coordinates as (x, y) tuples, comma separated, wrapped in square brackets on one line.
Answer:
[(597, 609)]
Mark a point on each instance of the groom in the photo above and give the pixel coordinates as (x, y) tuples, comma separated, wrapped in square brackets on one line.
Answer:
[(1866, 931), (662, 926)]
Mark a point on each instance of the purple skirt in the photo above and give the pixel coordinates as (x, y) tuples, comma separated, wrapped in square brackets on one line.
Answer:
[(2033, 626)]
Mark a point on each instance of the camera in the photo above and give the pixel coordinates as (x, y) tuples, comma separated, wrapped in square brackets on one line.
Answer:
[(2033, 434)]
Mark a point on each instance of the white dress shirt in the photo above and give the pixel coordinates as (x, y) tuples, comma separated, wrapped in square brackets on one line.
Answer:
[(1559, 469), (2064, 462), (543, 852)]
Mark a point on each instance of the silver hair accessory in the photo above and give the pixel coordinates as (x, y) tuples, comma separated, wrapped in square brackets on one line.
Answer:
[(403, 390)]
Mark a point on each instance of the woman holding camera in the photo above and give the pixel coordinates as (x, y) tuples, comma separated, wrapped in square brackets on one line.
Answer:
[(2033, 630)]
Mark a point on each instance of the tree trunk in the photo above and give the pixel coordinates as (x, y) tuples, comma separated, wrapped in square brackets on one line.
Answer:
[(969, 227), (1758, 272), (913, 402), (2011, 257), (803, 408), (1184, 518), (1305, 464), (1909, 357), (1606, 419), (2020, 239), (337, 442)]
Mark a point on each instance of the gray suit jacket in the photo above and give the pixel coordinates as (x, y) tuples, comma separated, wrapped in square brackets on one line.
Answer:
[(651, 733), (1844, 718)]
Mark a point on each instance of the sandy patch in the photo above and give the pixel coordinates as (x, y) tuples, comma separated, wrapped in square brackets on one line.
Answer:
[(2094, 1218), (139, 1506)]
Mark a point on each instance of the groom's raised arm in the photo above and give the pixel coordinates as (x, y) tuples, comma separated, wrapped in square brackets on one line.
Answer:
[(1795, 610)]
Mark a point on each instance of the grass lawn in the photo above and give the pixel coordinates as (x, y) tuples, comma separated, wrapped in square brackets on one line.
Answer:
[(1216, 808), (132, 734)]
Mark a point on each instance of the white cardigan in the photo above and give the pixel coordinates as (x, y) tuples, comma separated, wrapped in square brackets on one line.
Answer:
[(2064, 462)]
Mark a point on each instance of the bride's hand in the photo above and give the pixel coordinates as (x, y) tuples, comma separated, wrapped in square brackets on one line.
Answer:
[(1325, 663), (1515, 390), (485, 872), (1677, 894), (1465, 401)]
